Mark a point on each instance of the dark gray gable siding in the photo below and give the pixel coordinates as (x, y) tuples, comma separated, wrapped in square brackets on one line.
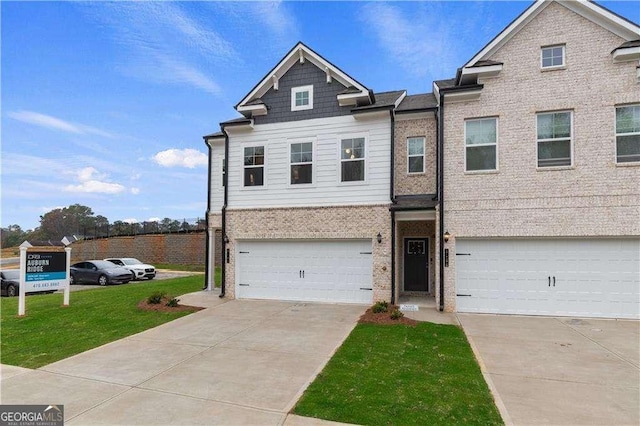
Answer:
[(325, 103)]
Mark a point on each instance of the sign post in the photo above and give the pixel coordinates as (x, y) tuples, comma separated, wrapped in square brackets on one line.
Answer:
[(43, 269)]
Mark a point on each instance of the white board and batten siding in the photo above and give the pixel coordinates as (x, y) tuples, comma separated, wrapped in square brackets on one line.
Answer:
[(337, 271), (563, 277), (326, 189)]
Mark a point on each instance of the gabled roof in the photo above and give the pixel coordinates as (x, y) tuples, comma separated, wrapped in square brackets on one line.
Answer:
[(301, 53), (590, 10)]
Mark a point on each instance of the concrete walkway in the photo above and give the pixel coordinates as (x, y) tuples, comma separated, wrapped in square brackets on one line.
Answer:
[(559, 371), (239, 362)]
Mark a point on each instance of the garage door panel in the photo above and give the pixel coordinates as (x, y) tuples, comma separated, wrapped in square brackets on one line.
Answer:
[(595, 278), (330, 271)]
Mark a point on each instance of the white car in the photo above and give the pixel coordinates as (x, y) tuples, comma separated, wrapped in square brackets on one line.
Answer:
[(138, 269)]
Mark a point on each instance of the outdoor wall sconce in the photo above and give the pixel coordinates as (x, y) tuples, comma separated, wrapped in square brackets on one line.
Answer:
[(446, 236), (226, 239), (379, 237)]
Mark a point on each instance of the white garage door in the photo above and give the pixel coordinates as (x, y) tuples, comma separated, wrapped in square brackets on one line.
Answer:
[(591, 278), (325, 271)]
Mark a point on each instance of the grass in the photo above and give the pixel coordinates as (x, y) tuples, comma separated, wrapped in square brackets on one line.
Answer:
[(401, 375), (176, 267), (50, 332)]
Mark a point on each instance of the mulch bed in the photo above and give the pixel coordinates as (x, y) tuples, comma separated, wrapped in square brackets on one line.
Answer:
[(162, 307), (385, 318)]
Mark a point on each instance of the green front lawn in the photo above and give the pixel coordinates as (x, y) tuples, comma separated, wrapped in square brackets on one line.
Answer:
[(50, 332), (401, 375)]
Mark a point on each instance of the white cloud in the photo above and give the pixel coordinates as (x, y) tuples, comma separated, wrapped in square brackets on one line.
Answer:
[(92, 181), (135, 191), (95, 186), (50, 122), (154, 219), (189, 158), (130, 220)]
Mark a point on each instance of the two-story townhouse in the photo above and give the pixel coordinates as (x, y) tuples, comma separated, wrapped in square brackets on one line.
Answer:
[(301, 186), (541, 180), (528, 159)]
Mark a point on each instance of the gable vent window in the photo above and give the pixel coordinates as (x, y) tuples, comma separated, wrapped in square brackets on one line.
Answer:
[(301, 98), (553, 56)]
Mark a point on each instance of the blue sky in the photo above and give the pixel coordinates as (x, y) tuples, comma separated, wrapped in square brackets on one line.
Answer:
[(105, 104)]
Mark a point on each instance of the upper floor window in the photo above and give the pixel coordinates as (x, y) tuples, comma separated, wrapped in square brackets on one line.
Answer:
[(554, 139), (481, 141), (301, 98), (552, 56), (224, 173), (352, 159), (254, 166), (628, 134), (301, 157), (415, 155)]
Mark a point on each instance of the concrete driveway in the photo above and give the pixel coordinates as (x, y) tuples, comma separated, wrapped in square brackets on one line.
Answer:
[(239, 362), (559, 371)]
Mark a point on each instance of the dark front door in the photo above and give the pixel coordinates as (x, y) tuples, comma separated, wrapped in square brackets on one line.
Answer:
[(416, 255)]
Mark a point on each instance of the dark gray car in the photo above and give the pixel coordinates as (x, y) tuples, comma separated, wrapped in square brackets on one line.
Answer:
[(98, 272)]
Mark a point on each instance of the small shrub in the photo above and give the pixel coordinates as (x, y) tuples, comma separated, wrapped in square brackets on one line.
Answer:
[(380, 307), (396, 314), (156, 298), (173, 302)]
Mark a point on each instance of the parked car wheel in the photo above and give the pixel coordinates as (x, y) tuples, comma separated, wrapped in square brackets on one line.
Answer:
[(103, 280), (11, 290)]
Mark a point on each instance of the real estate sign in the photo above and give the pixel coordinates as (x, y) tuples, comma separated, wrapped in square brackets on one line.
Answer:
[(45, 271)]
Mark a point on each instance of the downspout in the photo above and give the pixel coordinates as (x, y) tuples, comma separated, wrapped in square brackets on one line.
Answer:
[(440, 194), (223, 232), (207, 269), (393, 213)]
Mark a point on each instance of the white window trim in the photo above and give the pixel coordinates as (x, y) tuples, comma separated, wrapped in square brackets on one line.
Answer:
[(365, 158), (484, 144), (313, 163), (571, 137), (294, 91), (616, 134), (424, 155), (242, 167), (564, 57), (223, 171)]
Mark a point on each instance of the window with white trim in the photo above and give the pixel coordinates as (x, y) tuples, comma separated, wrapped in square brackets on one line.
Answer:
[(301, 167), (628, 134), (352, 159), (552, 56), (254, 166), (301, 98), (415, 155), (481, 144), (224, 172), (554, 139)]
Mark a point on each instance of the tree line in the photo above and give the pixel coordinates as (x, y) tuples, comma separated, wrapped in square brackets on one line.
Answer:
[(80, 221)]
